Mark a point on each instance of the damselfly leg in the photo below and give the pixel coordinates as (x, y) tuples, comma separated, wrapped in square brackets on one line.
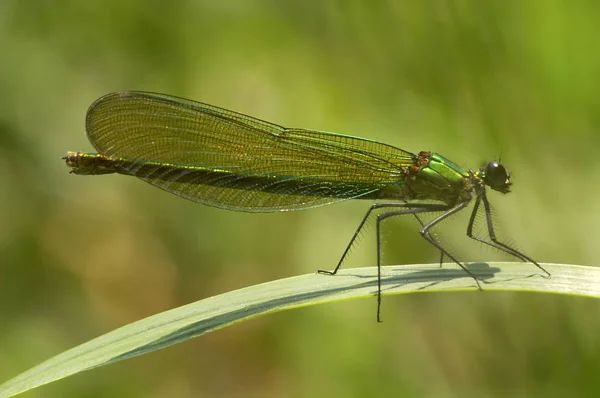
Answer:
[(495, 243)]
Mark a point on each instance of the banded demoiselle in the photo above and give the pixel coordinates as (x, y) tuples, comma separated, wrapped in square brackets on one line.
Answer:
[(232, 161)]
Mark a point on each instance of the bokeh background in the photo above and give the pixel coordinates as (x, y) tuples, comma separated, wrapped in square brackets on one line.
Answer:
[(471, 79)]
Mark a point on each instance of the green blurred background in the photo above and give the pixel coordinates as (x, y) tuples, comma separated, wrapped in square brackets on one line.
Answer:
[(469, 79)]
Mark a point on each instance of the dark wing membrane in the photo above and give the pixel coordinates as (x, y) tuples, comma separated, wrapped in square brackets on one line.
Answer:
[(258, 166)]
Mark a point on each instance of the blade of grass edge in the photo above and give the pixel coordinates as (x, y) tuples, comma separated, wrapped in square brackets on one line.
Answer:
[(192, 320)]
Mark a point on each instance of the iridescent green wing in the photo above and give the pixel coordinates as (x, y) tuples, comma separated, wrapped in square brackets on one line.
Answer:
[(247, 164)]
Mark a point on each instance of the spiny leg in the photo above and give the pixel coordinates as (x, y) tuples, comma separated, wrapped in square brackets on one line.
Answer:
[(431, 236), (495, 243), (414, 210), (491, 244), (425, 234), (376, 206)]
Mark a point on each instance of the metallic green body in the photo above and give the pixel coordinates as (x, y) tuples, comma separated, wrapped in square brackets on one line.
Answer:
[(246, 181), (233, 161), (441, 180)]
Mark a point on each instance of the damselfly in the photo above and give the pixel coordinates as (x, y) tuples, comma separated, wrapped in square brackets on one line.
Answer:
[(229, 160)]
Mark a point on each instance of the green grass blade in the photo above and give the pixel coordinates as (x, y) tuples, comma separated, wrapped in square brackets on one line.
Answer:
[(183, 323)]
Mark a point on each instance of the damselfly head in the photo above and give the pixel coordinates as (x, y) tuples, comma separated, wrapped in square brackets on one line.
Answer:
[(495, 175)]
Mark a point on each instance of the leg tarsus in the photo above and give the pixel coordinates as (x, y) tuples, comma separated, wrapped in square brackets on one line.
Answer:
[(373, 207), (495, 243), (425, 233)]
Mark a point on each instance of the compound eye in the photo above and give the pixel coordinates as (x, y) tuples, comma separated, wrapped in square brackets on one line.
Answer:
[(496, 175)]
